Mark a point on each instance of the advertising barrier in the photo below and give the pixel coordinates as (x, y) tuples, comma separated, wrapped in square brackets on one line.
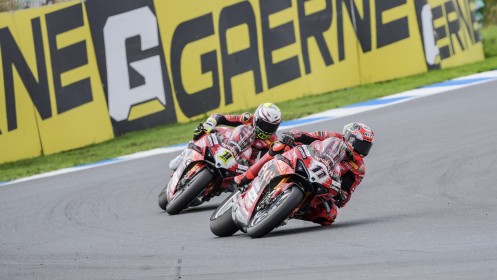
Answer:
[(80, 73)]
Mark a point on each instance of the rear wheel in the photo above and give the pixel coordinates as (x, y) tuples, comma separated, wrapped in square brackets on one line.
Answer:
[(271, 215), (185, 195), (222, 223)]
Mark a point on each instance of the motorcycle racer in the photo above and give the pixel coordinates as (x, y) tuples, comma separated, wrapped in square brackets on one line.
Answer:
[(358, 139), (265, 120)]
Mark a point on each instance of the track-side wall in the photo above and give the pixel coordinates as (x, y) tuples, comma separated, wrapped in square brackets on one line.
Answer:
[(75, 74)]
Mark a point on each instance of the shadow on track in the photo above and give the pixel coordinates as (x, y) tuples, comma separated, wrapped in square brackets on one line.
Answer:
[(338, 225), (196, 209), (200, 208)]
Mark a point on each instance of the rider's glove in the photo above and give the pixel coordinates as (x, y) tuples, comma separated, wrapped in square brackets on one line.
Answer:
[(210, 124), (241, 181), (198, 132), (204, 128), (277, 148), (342, 198), (286, 143), (288, 139)]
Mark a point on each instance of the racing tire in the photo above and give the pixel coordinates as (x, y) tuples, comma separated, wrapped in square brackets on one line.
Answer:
[(189, 192), (222, 223), (163, 199), (288, 201)]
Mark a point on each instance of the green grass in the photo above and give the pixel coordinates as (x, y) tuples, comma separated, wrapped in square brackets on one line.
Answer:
[(180, 133), (490, 40)]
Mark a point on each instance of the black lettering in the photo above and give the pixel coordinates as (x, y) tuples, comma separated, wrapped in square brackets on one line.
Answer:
[(68, 58), (193, 104), (468, 20), (393, 31), (422, 26), (437, 13), (274, 39), (134, 53), (37, 90), (340, 40), (243, 60), (314, 25), (453, 25), (475, 30), (362, 25)]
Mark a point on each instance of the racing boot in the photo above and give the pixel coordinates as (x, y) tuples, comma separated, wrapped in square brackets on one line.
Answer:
[(321, 211)]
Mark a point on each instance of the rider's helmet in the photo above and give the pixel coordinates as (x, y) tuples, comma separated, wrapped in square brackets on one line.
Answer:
[(359, 139), (267, 119), (241, 138)]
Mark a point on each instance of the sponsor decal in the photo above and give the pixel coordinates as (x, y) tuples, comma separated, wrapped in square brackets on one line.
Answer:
[(225, 157), (241, 168), (302, 151), (209, 139), (353, 164), (448, 28), (131, 63)]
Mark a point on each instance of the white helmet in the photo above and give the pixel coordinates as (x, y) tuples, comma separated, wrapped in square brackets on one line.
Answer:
[(267, 119)]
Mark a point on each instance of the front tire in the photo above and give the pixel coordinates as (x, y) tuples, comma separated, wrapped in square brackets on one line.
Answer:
[(269, 218), (184, 196), (163, 199), (222, 223)]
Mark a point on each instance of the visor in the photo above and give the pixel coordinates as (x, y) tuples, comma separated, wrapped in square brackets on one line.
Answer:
[(362, 147), (268, 128)]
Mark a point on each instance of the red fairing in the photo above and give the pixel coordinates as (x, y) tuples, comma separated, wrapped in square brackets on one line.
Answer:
[(223, 145), (318, 158), (351, 170), (273, 168)]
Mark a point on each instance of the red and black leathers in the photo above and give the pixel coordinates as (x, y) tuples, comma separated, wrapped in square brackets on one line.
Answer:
[(351, 171), (260, 146), (322, 210)]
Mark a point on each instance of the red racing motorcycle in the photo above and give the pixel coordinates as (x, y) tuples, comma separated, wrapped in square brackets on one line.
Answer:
[(283, 190), (208, 168)]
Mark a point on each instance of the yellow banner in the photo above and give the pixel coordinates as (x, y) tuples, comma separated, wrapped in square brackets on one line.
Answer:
[(69, 103), (19, 137), (457, 38), (70, 70)]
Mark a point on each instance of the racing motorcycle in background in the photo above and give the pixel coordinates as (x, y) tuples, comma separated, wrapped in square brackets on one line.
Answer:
[(208, 167), (283, 190)]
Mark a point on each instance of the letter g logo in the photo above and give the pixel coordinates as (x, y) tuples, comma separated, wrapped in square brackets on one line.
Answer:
[(138, 24)]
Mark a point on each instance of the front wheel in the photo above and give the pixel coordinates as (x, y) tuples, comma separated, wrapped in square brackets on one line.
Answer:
[(274, 213), (222, 223), (187, 193), (163, 199)]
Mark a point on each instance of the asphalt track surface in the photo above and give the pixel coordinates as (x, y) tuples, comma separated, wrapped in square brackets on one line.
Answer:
[(427, 209)]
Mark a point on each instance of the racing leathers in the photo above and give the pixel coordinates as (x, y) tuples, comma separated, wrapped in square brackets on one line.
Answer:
[(322, 210), (259, 146)]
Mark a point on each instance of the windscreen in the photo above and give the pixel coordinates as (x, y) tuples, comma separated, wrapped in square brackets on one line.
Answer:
[(241, 139)]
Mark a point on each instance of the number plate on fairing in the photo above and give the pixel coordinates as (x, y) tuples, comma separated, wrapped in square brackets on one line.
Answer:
[(318, 172)]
